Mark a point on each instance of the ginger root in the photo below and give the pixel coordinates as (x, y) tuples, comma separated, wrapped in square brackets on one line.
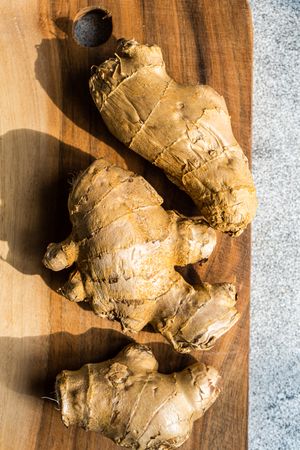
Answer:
[(127, 400), (184, 130), (126, 247)]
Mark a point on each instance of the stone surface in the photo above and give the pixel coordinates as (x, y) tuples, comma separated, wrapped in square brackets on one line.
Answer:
[(275, 311)]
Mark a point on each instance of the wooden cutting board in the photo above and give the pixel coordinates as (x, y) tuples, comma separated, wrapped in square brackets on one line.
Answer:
[(50, 131)]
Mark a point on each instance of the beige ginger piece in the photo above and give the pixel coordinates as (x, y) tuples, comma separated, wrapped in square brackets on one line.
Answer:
[(126, 247), (184, 130), (127, 400)]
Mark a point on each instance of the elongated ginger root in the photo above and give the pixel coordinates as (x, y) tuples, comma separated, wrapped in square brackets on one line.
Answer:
[(184, 130), (127, 400), (126, 247)]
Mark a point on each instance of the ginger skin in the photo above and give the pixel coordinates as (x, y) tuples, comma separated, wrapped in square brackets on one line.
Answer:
[(127, 400), (184, 130), (126, 247)]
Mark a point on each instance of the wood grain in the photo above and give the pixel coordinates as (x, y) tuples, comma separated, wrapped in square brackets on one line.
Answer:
[(50, 131)]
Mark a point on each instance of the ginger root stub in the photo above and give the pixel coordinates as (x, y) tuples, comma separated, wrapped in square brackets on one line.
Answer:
[(126, 246), (127, 400), (184, 130)]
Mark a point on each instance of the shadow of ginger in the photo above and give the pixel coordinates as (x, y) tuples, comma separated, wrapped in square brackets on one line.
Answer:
[(30, 364)]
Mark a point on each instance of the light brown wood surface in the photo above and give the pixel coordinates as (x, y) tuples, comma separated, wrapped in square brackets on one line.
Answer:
[(50, 130)]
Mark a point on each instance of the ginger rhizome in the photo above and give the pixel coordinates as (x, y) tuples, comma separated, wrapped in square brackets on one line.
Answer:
[(184, 130), (126, 246), (129, 401)]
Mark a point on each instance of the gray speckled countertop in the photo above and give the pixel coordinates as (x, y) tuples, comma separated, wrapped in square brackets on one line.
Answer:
[(275, 301)]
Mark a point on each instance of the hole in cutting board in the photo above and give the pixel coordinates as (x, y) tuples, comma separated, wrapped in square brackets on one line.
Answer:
[(92, 26)]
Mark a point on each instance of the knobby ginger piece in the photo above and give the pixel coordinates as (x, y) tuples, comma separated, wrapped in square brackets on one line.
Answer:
[(184, 130), (126, 247), (127, 400)]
